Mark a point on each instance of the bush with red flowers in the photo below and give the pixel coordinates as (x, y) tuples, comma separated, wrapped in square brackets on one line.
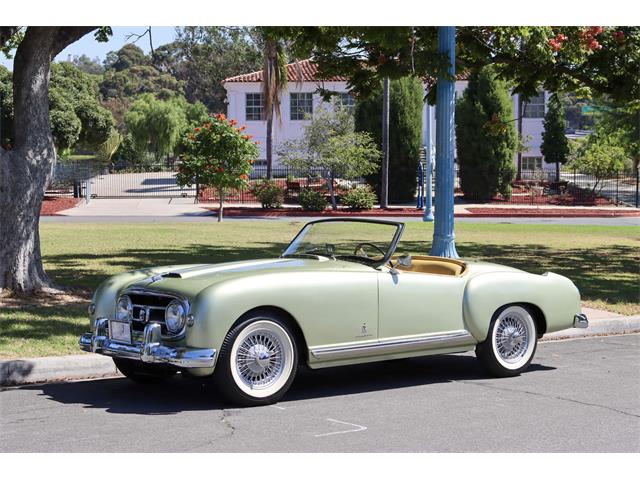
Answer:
[(219, 155)]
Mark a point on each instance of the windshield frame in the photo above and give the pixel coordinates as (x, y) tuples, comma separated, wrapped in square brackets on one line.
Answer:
[(375, 264)]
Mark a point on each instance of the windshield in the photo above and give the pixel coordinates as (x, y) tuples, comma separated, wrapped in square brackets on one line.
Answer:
[(369, 242)]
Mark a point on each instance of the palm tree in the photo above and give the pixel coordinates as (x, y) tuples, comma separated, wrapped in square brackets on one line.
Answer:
[(274, 81)]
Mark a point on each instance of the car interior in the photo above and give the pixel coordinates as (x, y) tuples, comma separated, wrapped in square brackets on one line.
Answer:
[(426, 264)]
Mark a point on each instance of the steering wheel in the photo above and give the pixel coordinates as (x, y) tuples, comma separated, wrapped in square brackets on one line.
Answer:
[(360, 245)]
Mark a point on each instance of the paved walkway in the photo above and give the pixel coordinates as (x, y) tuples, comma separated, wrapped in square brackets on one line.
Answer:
[(170, 207)]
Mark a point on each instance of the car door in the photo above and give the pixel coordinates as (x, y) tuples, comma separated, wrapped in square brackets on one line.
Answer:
[(420, 304)]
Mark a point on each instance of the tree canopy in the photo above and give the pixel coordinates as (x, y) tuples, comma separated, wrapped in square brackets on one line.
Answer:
[(602, 60), (555, 146)]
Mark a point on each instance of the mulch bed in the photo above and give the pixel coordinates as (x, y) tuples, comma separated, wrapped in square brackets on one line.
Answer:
[(53, 205), (548, 212), (414, 212)]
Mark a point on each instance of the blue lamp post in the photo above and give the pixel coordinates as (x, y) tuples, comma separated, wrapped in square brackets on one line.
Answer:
[(443, 237)]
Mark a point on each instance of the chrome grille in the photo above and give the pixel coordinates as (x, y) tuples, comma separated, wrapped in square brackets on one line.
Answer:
[(148, 308)]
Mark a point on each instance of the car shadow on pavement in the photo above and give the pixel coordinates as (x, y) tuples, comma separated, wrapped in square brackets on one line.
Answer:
[(120, 395)]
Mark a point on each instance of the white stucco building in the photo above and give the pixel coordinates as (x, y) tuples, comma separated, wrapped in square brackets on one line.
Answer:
[(245, 105)]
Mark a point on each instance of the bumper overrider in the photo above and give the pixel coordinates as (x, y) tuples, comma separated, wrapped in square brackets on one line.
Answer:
[(149, 350), (580, 321)]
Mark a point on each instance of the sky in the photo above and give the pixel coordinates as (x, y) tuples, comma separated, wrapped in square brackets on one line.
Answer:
[(90, 47)]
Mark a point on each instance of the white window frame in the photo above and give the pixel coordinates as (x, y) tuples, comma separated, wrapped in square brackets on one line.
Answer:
[(252, 108), (535, 107), (537, 163), (300, 105), (347, 100)]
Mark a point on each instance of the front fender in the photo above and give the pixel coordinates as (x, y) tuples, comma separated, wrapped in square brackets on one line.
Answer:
[(556, 296)]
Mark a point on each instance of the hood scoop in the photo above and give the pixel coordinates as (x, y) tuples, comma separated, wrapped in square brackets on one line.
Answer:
[(171, 275)]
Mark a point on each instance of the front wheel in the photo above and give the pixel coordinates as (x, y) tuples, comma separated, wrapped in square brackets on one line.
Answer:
[(258, 361), (510, 343)]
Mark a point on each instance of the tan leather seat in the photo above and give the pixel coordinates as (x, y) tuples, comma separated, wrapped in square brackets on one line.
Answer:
[(434, 265)]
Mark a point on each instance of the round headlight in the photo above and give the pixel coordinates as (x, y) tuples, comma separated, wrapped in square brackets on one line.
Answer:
[(124, 309), (175, 316), (92, 309)]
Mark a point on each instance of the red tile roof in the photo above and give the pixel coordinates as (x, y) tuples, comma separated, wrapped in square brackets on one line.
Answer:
[(307, 69)]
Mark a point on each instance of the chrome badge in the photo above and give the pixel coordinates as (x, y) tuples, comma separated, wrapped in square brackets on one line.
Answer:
[(142, 316)]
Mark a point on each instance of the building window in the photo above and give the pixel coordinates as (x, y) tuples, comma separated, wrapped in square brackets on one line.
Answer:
[(534, 108), (254, 106), (301, 105), (347, 100), (531, 163)]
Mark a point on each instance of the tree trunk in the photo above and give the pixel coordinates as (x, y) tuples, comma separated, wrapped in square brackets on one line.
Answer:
[(557, 171), (269, 146), (26, 170), (221, 199), (332, 193)]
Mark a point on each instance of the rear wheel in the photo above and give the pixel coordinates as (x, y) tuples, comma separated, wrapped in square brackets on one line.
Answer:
[(511, 342), (142, 372), (258, 361)]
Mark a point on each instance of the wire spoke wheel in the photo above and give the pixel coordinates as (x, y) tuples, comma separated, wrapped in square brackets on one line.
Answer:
[(262, 359), (511, 343)]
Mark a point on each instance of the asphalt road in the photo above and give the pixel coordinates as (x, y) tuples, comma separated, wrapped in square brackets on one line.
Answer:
[(579, 396), (211, 218)]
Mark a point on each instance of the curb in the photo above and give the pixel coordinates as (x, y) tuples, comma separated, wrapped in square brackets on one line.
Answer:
[(598, 328), (53, 369), (257, 212), (91, 365)]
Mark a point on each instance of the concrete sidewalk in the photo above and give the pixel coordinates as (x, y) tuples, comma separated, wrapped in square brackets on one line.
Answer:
[(85, 366), (179, 207)]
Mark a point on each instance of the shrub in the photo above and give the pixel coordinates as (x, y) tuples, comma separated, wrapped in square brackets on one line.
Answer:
[(486, 138), (268, 193), (312, 200), (359, 198)]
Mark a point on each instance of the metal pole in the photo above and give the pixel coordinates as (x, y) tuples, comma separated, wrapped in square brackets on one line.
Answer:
[(443, 237), (420, 195), (637, 185), (384, 188), (428, 207)]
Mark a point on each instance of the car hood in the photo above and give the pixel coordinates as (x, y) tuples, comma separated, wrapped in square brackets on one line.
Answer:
[(189, 280)]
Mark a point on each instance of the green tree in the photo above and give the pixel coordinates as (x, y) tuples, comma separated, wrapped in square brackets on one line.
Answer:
[(202, 57), (217, 154), (130, 55), (601, 156), (75, 111), (405, 133), (156, 125), (555, 146), (486, 138), (87, 65), (331, 143), (621, 121)]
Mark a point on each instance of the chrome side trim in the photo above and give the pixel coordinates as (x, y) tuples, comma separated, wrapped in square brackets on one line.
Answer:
[(456, 338), (150, 350), (580, 321)]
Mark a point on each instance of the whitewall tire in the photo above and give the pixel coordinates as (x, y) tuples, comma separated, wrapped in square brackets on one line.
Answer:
[(511, 342), (258, 361)]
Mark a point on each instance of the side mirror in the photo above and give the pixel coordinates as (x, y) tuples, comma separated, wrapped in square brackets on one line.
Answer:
[(404, 261)]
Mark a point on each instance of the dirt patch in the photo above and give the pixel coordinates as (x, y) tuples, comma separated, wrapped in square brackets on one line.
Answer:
[(53, 205), (8, 300)]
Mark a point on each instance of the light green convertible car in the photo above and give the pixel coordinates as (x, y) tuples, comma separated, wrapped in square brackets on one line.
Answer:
[(338, 295)]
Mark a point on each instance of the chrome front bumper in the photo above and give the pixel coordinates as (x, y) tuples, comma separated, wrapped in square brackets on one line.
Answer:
[(580, 321), (149, 350)]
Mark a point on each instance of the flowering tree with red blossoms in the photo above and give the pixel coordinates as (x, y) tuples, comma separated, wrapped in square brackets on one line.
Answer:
[(217, 154)]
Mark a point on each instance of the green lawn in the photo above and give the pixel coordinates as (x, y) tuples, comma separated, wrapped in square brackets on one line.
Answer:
[(602, 261)]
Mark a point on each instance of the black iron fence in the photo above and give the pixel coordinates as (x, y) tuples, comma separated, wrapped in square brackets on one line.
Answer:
[(159, 180), (572, 188), (95, 179)]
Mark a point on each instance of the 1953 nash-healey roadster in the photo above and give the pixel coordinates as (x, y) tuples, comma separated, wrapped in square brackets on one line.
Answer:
[(338, 295)]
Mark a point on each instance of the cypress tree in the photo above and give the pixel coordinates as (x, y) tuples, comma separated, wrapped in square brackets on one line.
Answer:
[(405, 134), (555, 146), (486, 137)]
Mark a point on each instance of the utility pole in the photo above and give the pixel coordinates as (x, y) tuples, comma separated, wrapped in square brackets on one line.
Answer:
[(384, 188), (443, 237)]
